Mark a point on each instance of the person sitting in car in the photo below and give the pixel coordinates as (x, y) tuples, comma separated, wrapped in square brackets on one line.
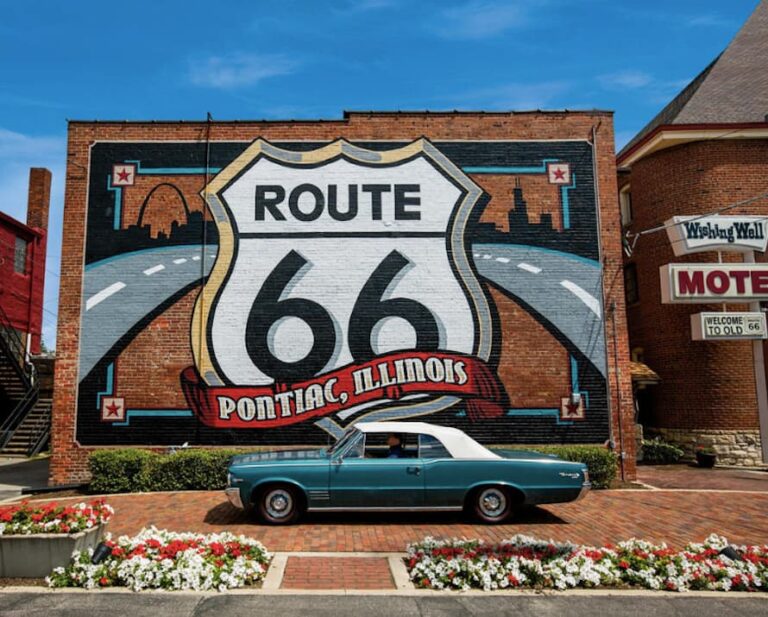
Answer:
[(395, 444)]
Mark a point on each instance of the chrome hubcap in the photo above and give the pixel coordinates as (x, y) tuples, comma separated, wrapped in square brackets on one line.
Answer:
[(279, 503), (492, 502)]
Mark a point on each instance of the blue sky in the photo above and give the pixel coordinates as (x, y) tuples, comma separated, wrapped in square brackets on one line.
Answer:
[(85, 59)]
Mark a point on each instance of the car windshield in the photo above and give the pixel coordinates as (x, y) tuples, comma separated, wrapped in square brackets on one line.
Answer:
[(343, 441)]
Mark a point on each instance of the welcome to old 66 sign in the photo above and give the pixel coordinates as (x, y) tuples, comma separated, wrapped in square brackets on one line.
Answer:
[(342, 288)]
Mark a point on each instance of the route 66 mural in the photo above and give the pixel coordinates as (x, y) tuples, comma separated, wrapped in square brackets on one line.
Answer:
[(283, 291)]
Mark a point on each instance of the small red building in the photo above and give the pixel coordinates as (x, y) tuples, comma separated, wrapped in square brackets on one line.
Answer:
[(22, 264)]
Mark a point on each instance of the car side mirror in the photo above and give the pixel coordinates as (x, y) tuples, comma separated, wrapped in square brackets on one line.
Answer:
[(336, 461)]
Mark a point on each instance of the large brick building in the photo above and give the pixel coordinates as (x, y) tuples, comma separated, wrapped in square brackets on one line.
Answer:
[(706, 150), (268, 283)]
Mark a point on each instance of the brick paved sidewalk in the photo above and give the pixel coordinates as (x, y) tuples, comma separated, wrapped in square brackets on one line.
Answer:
[(691, 477), (602, 517)]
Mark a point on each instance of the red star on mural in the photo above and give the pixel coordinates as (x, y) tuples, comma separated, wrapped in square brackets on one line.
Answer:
[(123, 175), (113, 410), (559, 174), (572, 410)]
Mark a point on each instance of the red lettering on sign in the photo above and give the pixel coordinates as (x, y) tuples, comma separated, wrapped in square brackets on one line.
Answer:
[(759, 282), (690, 282), (740, 277), (718, 282)]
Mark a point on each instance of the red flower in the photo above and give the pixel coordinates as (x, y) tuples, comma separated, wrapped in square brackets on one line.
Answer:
[(118, 552), (103, 581), (624, 565), (217, 549)]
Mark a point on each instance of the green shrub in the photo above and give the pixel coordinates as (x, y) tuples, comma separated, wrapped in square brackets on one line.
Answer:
[(188, 470), (601, 462), (132, 470), (658, 451), (119, 471)]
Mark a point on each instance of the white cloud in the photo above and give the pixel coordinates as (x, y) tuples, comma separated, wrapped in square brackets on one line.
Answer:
[(238, 69), (19, 152), (624, 80), (709, 20), (363, 6), (517, 95), (482, 19), (656, 91)]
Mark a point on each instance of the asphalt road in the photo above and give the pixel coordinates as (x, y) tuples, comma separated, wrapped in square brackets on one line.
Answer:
[(203, 605), (118, 292), (564, 289)]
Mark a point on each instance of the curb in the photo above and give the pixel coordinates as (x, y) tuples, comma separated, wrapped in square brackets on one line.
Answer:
[(626, 593)]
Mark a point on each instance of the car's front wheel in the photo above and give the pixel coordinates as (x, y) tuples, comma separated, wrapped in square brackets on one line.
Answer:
[(279, 505), (492, 504)]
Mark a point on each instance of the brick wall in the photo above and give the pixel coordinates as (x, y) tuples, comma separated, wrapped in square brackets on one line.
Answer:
[(520, 355), (705, 385)]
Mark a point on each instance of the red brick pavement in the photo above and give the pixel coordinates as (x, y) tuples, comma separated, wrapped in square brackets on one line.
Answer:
[(691, 477), (337, 573), (602, 517)]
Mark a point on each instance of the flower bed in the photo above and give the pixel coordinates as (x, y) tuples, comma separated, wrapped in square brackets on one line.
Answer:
[(526, 562), (159, 559), (26, 518)]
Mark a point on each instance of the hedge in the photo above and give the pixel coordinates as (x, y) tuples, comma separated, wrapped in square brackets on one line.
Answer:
[(658, 451), (601, 462), (132, 471)]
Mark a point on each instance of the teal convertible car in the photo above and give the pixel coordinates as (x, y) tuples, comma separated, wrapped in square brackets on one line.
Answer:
[(402, 466)]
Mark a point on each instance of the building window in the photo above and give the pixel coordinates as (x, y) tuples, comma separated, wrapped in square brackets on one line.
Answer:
[(630, 284), (625, 200), (20, 256)]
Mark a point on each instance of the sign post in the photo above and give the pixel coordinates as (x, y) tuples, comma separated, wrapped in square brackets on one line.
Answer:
[(760, 381)]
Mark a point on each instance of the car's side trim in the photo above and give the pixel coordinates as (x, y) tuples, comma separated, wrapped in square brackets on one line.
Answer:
[(386, 509)]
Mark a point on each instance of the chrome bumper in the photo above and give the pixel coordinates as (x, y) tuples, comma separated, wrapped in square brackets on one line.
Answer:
[(233, 494), (584, 490)]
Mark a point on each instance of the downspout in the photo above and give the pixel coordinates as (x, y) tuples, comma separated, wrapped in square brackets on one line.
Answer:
[(611, 439)]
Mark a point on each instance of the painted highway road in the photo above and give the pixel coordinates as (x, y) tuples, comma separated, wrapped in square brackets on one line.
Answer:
[(562, 288), (147, 278)]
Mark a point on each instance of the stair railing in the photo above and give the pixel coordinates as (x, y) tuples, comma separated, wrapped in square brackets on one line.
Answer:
[(38, 442), (12, 422), (12, 348)]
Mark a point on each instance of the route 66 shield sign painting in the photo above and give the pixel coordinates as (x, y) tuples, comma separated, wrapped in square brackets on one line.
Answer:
[(343, 288)]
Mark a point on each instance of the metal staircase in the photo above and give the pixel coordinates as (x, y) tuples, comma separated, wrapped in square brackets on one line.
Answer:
[(18, 388), (32, 434)]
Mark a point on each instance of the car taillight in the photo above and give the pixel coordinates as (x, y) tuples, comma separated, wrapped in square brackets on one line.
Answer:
[(586, 475)]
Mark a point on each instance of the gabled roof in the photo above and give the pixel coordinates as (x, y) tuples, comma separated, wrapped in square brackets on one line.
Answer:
[(732, 89)]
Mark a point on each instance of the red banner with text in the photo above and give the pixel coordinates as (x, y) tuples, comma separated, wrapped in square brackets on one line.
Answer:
[(388, 377)]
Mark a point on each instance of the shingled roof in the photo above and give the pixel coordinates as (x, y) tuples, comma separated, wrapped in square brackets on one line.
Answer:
[(732, 89)]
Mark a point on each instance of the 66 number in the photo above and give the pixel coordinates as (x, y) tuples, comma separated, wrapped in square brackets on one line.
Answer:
[(369, 309)]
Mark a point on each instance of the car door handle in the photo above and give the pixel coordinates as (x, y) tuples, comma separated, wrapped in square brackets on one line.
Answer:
[(413, 470)]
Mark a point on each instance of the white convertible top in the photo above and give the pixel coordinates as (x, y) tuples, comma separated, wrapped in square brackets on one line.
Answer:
[(459, 444)]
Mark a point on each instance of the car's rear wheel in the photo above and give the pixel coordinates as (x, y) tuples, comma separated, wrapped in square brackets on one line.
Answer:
[(279, 504), (492, 504)]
